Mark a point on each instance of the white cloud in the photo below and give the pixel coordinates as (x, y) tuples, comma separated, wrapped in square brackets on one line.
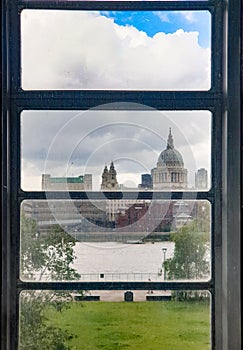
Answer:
[(81, 50), (189, 16), (162, 16), (84, 50)]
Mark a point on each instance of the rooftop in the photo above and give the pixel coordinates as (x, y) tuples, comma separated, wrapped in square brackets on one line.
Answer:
[(78, 179)]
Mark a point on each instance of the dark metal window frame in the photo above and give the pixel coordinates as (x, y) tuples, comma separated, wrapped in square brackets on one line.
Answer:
[(223, 100)]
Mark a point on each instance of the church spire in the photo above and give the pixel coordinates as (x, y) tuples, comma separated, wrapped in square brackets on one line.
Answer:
[(170, 141), (112, 168), (105, 172)]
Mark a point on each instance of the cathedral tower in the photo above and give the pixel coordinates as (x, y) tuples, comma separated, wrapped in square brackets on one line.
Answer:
[(109, 180)]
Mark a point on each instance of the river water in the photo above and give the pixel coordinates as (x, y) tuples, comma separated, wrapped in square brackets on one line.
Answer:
[(119, 261)]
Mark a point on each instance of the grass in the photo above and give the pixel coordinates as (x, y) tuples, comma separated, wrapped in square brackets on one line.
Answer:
[(136, 325)]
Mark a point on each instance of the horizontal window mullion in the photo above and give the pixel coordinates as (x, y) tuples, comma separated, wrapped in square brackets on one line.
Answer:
[(115, 285), (97, 195), (101, 99), (119, 5)]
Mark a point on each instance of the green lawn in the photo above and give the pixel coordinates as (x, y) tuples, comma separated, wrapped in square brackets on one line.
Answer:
[(167, 325)]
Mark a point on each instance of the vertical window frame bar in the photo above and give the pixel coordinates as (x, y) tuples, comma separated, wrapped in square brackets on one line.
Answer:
[(231, 211), (229, 218)]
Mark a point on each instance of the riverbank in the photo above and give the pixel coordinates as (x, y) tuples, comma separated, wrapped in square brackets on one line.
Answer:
[(122, 237)]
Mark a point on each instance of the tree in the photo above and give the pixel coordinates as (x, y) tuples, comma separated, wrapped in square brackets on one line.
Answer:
[(35, 330), (190, 255), (46, 257)]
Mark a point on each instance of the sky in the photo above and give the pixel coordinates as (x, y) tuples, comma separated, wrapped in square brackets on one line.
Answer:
[(72, 143), (152, 22), (112, 50), (115, 50)]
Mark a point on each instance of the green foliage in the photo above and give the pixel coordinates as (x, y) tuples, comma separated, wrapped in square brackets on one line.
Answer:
[(191, 295), (45, 257), (48, 256), (36, 332), (189, 260), (31, 256)]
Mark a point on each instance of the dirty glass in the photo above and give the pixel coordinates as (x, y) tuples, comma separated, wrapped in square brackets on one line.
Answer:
[(115, 319), (141, 150), (115, 240)]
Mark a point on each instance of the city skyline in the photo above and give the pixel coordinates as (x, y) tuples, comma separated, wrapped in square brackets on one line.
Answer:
[(70, 143)]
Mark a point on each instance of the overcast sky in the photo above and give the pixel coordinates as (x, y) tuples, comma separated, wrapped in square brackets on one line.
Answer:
[(113, 50), (68, 143)]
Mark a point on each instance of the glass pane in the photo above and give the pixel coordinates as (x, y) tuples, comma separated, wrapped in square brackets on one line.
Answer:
[(160, 321), (141, 150), (116, 50), (115, 240)]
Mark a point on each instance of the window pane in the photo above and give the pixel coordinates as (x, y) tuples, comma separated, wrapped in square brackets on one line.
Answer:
[(181, 321), (116, 50), (149, 150), (115, 240)]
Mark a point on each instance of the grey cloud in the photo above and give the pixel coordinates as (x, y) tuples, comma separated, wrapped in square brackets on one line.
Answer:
[(52, 140)]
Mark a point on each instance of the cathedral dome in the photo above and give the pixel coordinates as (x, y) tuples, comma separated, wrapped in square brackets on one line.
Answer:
[(170, 156)]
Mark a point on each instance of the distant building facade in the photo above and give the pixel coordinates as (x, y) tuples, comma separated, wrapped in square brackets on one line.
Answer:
[(182, 213), (80, 183), (170, 173), (109, 180), (72, 215), (201, 179), (147, 182), (114, 208), (147, 216)]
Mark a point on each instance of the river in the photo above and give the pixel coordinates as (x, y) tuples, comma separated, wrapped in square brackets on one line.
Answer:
[(119, 261)]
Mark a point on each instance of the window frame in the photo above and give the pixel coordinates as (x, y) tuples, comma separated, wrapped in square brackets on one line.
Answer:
[(223, 100)]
